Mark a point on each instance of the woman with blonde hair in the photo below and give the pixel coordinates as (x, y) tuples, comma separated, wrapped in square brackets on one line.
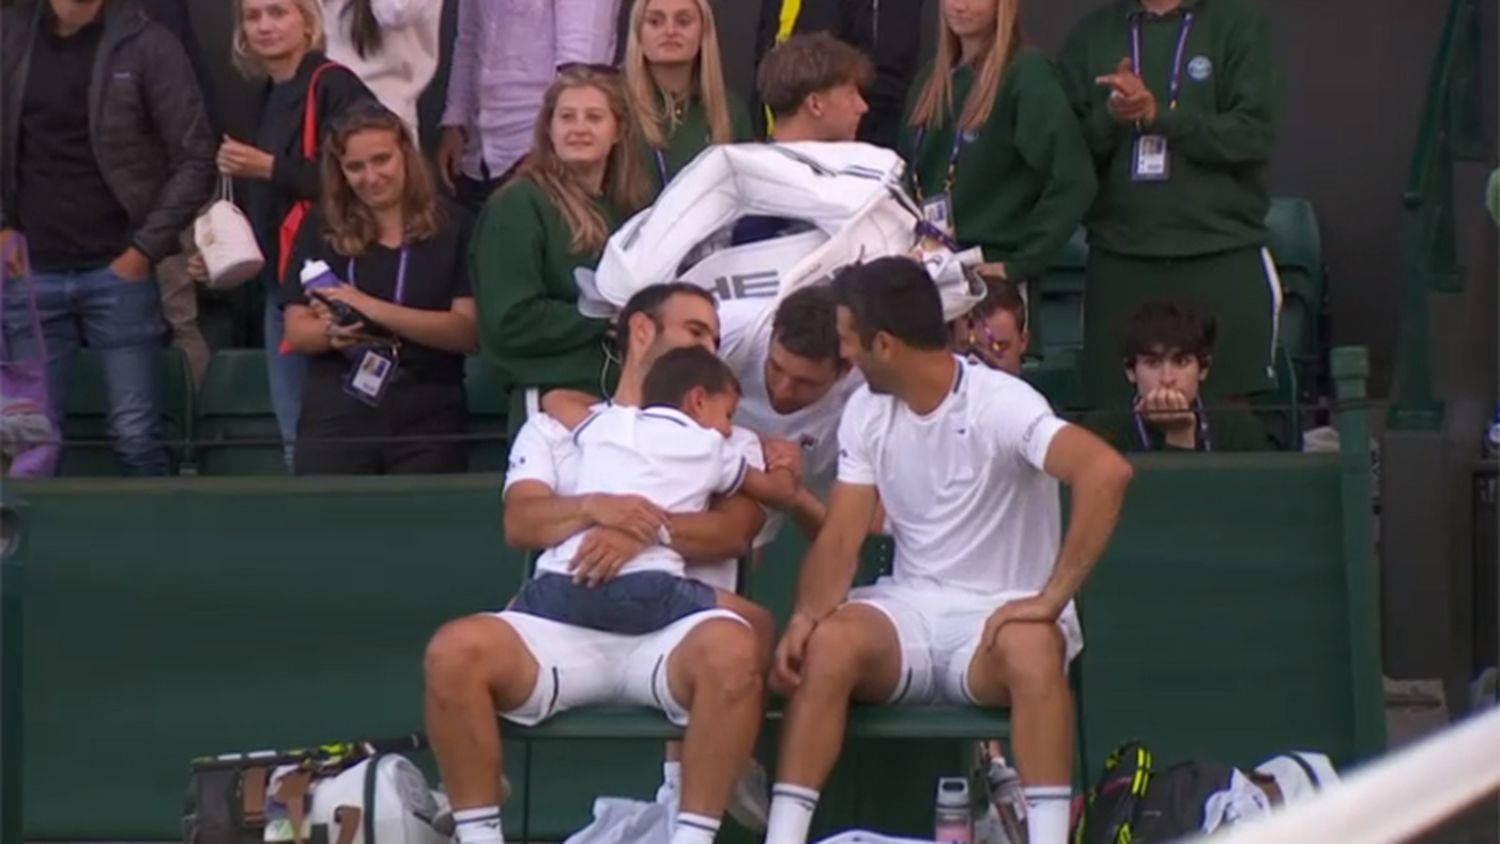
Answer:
[(379, 303), (997, 158), (281, 41), (675, 79), (546, 228)]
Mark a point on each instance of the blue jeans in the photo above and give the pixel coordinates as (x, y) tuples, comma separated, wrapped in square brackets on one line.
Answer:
[(631, 604), (121, 322), (287, 374)]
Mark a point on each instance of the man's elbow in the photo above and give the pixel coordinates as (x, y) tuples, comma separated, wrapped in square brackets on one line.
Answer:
[(1114, 473), (518, 536)]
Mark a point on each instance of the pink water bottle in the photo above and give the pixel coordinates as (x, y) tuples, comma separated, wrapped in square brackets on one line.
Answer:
[(954, 819)]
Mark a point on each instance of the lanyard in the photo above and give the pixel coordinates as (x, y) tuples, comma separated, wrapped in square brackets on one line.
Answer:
[(952, 175), (661, 166), (1205, 442), (1175, 86), (400, 276)]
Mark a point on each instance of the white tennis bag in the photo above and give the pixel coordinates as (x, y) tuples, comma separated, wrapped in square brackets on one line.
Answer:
[(382, 800), (223, 235), (839, 204)]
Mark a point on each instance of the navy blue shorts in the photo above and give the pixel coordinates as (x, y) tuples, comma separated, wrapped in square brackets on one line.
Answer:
[(632, 604)]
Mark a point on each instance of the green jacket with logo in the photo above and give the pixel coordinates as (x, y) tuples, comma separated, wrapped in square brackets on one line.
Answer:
[(1219, 138), (1023, 181), (524, 270)]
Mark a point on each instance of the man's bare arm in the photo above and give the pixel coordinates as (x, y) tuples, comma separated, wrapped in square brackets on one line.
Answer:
[(1097, 477), (725, 531), (829, 566), (537, 518)]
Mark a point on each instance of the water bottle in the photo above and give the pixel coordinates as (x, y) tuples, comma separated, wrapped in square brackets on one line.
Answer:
[(953, 821), (317, 275), (1007, 798)]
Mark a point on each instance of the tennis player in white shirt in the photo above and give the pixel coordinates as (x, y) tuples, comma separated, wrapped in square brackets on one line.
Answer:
[(979, 607)]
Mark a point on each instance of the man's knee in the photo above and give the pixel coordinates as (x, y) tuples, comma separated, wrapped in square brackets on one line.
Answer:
[(835, 651), (725, 656), (1031, 656), (465, 650)]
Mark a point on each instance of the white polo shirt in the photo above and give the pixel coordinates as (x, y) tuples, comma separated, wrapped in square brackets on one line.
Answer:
[(963, 486), (745, 345), (545, 451)]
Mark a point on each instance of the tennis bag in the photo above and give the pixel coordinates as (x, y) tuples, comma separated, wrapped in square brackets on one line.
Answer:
[(1134, 803), (334, 797)]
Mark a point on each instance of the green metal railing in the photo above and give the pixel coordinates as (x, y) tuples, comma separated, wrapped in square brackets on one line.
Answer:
[(1451, 131)]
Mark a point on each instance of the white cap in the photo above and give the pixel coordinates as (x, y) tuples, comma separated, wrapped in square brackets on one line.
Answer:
[(311, 269)]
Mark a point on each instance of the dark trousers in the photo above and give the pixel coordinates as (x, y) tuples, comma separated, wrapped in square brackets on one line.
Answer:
[(416, 430)]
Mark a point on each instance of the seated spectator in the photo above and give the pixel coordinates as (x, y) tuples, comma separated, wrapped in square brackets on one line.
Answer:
[(545, 227), (101, 177), (1178, 102), (675, 79), (813, 85), (994, 333), (391, 45), (1167, 351), (676, 452), (386, 346)]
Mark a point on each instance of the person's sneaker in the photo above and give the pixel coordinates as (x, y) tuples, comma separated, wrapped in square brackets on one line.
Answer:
[(750, 803)]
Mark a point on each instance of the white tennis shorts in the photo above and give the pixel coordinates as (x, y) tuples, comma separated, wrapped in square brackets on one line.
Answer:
[(582, 667), (938, 629)]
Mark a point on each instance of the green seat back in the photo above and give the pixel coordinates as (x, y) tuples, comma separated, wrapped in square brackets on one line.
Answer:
[(1057, 315), (87, 416), (1296, 244), (237, 431), (489, 403)]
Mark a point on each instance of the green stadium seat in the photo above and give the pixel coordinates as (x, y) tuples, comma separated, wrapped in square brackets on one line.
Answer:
[(86, 418), (489, 402), (1058, 378), (237, 432), (1281, 408), (1057, 316), (1296, 244)]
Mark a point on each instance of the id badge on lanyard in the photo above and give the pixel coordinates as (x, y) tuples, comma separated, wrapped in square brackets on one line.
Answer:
[(373, 369), (937, 211), (1150, 158)]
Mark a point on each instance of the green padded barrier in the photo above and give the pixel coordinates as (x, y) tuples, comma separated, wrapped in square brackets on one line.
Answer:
[(237, 431), (489, 401), (1219, 624), (172, 618), (1057, 377), (88, 407)]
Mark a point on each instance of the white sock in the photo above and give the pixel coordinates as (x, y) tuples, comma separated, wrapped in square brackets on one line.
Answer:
[(694, 829), (792, 808), (478, 826), (1047, 813)]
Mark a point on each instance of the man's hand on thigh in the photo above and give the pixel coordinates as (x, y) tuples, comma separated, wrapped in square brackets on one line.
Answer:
[(855, 647), (1016, 655)]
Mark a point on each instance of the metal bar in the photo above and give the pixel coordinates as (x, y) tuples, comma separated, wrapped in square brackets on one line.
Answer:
[(1351, 369)]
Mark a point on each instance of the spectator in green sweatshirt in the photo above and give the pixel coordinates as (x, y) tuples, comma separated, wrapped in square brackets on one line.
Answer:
[(547, 227), (996, 155), (1178, 103), (675, 79)]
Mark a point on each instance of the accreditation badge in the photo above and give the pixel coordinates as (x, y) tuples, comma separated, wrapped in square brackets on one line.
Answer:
[(1150, 162)]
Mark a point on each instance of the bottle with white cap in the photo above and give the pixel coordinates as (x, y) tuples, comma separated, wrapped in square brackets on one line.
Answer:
[(317, 275), (953, 820)]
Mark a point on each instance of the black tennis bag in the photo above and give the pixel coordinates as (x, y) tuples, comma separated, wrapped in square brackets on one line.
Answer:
[(1135, 803)]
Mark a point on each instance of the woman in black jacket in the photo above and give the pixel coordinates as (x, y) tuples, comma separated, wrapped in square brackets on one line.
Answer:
[(282, 40), (378, 300)]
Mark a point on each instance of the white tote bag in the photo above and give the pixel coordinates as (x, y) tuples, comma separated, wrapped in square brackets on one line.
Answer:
[(223, 235)]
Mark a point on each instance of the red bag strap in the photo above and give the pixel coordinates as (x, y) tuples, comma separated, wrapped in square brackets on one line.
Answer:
[(310, 115)]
